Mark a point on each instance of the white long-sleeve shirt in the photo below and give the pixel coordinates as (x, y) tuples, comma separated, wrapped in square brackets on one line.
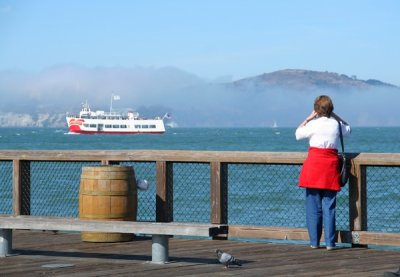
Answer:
[(322, 132)]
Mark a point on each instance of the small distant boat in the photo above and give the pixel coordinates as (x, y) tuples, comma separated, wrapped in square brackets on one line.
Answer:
[(101, 122), (275, 125)]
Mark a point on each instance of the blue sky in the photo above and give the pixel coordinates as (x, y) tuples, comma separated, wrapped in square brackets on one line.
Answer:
[(209, 38)]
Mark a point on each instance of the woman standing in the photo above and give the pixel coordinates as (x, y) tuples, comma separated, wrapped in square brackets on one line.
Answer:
[(320, 174)]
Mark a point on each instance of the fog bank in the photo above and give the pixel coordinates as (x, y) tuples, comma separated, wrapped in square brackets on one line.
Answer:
[(46, 96)]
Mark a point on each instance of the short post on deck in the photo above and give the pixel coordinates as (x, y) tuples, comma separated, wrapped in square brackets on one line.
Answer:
[(5, 242), (159, 249)]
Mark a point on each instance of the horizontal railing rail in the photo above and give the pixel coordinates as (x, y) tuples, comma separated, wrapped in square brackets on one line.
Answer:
[(371, 185)]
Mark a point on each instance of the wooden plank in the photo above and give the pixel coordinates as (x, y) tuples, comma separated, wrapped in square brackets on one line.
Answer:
[(155, 155), (376, 238), (379, 159), (190, 229), (21, 187), (358, 199), (262, 232), (164, 191), (76, 224), (17, 191), (282, 233), (219, 192)]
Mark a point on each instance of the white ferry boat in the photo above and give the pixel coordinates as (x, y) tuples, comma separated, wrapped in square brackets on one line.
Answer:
[(101, 122)]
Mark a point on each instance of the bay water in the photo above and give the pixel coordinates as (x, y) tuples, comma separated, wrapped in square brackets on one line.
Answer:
[(362, 139)]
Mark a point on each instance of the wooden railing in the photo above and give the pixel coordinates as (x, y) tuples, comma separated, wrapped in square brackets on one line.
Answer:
[(218, 161)]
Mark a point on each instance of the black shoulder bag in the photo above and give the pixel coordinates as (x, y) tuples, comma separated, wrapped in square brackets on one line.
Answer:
[(344, 174)]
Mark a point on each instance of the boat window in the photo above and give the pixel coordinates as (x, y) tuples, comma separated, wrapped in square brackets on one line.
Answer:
[(137, 126), (115, 126), (153, 126), (124, 126), (107, 126), (85, 125), (93, 125), (145, 126)]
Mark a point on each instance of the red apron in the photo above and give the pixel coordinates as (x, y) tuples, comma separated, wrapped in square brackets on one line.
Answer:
[(320, 169)]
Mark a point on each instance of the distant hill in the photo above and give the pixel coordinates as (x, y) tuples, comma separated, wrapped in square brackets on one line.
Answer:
[(300, 79)]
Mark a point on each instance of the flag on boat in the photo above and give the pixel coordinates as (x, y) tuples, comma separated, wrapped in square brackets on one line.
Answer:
[(167, 116), (116, 97)]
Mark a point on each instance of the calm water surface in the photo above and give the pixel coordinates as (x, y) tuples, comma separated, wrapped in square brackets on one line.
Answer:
[(371, 140)]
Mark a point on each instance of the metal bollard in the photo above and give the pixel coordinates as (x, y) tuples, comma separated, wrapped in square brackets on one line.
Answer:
[(5, 242), (159, 249)]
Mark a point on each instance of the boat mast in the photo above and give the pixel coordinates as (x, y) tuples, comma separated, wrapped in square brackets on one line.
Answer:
[(113, 97)]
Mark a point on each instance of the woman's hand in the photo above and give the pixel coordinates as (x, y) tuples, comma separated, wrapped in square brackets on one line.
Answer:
[(312, 115)]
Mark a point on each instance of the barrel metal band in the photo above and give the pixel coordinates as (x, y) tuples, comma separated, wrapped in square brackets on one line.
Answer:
[(105, 216), (107, 178), (108, 193)]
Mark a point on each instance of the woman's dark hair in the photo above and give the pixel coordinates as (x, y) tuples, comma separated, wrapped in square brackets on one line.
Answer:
[(323, 105)]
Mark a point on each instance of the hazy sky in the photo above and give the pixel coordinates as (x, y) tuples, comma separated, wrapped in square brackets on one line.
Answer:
[(212, 39)]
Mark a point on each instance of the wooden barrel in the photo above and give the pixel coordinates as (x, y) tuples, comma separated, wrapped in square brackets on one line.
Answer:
[(107, 192)]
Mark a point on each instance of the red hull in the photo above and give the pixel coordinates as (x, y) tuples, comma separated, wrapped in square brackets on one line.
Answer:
[(79, 131), (115, 133)]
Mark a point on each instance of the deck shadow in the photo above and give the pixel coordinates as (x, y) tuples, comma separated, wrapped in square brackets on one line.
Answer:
[(112, 256)]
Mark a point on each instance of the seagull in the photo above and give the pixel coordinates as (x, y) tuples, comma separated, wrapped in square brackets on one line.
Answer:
[(227, 259)]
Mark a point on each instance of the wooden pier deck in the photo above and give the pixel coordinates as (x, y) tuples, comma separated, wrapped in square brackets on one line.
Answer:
[(64, 254)]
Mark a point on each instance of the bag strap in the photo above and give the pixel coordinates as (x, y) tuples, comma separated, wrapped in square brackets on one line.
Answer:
[(341, 135)]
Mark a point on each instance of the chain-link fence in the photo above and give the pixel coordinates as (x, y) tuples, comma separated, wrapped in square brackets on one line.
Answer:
[(268, 195), (383, 198), (146, 199), (258, 194), (55, 188), (6, 192)]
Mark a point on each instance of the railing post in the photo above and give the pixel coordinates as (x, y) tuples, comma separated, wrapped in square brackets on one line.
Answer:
[(164, 198), (219, 192), (21, 187), (358, 200), (108, 162)]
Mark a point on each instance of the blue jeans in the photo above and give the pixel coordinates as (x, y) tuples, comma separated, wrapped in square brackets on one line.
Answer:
[(321, 211)]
